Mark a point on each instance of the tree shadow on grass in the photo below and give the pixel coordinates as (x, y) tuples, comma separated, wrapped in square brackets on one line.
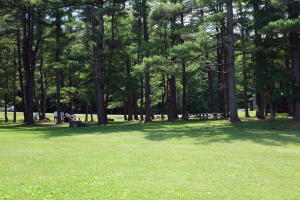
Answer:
[(280, 132)]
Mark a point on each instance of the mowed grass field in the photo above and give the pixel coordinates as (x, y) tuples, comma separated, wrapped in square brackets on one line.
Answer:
[(160, 160)]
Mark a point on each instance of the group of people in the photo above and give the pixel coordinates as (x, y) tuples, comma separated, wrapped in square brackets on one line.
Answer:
[(65, 116)]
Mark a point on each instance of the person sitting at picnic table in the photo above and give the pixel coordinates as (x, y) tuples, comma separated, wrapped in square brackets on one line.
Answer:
[(67, 117), (73, 117), (55, 115), (36, 116)]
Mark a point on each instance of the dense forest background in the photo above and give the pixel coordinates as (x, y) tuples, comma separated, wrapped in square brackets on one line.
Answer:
[(149, 57)]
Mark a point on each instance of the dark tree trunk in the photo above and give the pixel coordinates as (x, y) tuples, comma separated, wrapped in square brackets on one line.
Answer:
[(5, 95), (129, 102), (147, 98), (86, 111), (173, 97), (231, 74), (272, 105), (245, 87), (259, 57), (91, 109), (21, 76), (29, 56), (226, 85), (293, 10), (35, 98), (169, 102), (295, 65), (124, 109), (109, 62), (71, 100), (142, 99), (183, 79), (98, 63), (151, 109), (43, 96), (220, 75), (290, 102), (147, 76), (63, 105), (135, 108), (163, 98), (5, 106), (14, 98), (138, 61), (129, 108), (183, 90), (260, 99), (211, 91), (266, 105), (57, 71)]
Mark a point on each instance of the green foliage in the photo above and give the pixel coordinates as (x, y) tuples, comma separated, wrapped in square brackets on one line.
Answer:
[(282, 26)]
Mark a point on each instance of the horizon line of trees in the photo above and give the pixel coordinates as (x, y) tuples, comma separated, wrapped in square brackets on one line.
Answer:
[(150, 56)]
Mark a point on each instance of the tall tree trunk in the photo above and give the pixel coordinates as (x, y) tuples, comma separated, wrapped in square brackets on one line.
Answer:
[(173, 97), (183, 90), (57, 71), (142, 98), (71, 100), (147, 97), (183, 79), (110, 61), (5, 95), (169, 102), (43, 96), (91, 109), (295, 64), (129, 102), (272, 105), (260, 99), (36, 100), (245, 87), (211, 91), (124, 109), (226, 85), (135, 108), (129, 108), (147, 75), (293, 10), (86, 111), (14, 98), (21, 76), (220, 75), (163, 98), (290, 102), (29, 56), (63, 106), (98, 63), (231, 74), (258, 58), (266, 105)]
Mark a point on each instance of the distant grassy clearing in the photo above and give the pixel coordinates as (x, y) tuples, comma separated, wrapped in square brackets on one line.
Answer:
[(180, 160)]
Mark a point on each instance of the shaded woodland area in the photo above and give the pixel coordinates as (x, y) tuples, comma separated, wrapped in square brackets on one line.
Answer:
[(143, 57)]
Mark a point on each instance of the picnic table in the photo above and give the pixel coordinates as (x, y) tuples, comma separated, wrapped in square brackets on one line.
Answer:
[(159, 117), (206, 116)]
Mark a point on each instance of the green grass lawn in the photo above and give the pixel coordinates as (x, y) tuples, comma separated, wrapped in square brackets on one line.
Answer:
[(160, 160)]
